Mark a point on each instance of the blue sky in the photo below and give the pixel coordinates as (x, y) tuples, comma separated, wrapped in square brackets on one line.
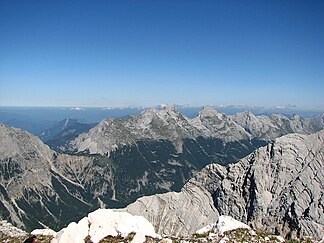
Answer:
[(132, 53)]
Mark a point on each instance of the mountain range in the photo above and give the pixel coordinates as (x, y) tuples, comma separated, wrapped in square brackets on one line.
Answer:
[(169, 124), (276, 191), (120, 160)]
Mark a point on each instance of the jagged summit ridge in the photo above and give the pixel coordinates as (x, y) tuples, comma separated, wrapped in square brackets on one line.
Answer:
[(169, 124), (276, 125), (165, 124), (216, 124)]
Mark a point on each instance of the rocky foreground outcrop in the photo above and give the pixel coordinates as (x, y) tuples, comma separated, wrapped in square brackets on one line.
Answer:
[(277, 188), (107, 225)]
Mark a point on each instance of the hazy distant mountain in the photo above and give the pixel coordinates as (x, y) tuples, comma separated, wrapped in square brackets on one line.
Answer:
[(38, 119), (25, 122), (273, 126), (317, 121), (58, 136)]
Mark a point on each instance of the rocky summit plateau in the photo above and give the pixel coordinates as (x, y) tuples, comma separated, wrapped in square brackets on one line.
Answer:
[(178, 174)]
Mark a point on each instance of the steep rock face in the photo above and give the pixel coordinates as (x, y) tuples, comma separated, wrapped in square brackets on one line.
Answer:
[(17, 146), (178, 214), (32, 190), (317, 121), (277, 188)]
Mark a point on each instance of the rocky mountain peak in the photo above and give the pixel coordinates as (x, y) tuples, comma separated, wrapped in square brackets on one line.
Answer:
[(169, 108), (209, 112), (216, 124), (166, 112), (246, 119), (247, 115), (19, 143), (295, 117)]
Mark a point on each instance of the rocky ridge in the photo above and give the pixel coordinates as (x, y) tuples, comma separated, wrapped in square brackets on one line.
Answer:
[(277, 188), (169, 124), (33, 191), (276, 125)]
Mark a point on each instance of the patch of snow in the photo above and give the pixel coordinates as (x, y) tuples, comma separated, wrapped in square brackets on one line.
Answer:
[(105, 222)]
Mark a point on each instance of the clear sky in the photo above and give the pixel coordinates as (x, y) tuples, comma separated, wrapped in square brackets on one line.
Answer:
[(121, 53)]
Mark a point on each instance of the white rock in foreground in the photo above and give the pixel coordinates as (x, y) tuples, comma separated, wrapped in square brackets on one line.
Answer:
[(224, 223), (47, 232), (104, 222), (227, 223)]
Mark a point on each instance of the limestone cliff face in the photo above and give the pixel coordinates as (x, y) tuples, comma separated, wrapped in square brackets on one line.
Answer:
[(277, 188), (178, 214)]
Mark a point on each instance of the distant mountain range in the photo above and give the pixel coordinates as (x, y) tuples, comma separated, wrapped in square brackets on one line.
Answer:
[(119, 160), (37, 119), (64, 131), (170, 125)]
